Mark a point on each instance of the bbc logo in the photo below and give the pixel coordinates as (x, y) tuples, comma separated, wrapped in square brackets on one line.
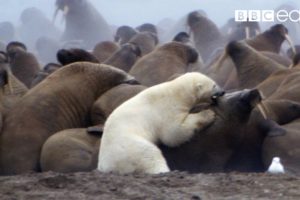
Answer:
[(254, 15), (267, 16)]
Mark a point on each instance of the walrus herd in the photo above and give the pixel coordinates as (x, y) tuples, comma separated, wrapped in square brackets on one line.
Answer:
[(59, 88)]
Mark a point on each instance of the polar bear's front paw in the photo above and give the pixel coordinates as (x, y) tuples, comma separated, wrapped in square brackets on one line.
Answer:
[(206, 117), (209, 114)]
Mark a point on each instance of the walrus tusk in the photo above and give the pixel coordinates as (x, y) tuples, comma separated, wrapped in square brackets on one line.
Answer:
[(66, 10), (10, 88), (261, 107), (257, 32), (118, 40), (262, 95), (247, 31), (289, 40), (262, 110), (55, 15)]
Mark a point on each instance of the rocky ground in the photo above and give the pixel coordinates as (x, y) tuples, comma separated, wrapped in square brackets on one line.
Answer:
[(174, 185)]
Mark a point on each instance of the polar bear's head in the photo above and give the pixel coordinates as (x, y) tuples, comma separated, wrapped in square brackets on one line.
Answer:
[(205, 90)]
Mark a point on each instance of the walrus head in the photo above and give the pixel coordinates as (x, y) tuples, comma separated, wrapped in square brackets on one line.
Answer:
[(193, 55), (281, 32), (67, 56), (182, 37), (241, 103), (134, 48), (124, 34), (13, 48), (66, 6), (147, 27), (193, 18)]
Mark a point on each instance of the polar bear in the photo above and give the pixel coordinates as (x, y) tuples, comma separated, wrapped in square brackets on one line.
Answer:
[(159, 114)]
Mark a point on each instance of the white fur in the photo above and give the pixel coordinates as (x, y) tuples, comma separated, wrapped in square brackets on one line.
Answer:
[(158, 114)]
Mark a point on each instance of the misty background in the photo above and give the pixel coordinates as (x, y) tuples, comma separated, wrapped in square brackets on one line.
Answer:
[(136, 12)]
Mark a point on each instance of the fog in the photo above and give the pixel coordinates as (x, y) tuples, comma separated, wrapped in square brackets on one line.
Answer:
[(135, 12), (167, 14)]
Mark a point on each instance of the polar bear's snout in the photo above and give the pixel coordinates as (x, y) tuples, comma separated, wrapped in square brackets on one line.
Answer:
[(217, 92)]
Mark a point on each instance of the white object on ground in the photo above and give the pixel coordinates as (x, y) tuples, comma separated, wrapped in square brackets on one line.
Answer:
[(276, 167)]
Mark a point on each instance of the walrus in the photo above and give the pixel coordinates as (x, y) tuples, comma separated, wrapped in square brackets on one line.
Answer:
[(110, 100), (205, 33), (62, 101), (290, 52), (185, 39), (296, 61), (51, 67), (124, 34), (80, 146), (44, 73), (294, 29), (281, 59), (68, 56), (35, 24), (223, 69), (215, 148), (244, 30), (229, 26), (83, 22), (13, 46), (163, 63), (38, 78), (182, 37), (271, 39), (147, 27), (251, 66), (71, 150), (271, 83), (125, 57), (11, 89), (104, 50), (146, 41), (23, 64)]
